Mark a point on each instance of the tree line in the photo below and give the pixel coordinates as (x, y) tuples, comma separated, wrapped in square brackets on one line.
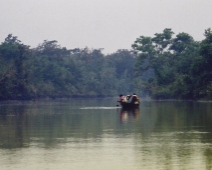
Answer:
[(174, 67), (163, 67), (50, 70)]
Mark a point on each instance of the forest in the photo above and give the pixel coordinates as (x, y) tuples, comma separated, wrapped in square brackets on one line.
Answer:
[(165, 66)]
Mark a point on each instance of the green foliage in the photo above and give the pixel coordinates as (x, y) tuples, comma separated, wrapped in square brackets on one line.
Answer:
[(50, 70), (172, 60), (202, 70), (162, 66), (122, 62), (13, 59)]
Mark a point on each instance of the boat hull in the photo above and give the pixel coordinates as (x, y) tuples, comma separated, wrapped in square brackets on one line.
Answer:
[(129, 105)]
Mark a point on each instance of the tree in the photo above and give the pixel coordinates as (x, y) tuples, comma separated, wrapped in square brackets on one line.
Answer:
[(202, 70), (123, 62), (169, 61), (14, 56)]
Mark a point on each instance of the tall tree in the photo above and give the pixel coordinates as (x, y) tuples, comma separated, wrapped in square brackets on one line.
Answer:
[(169, 62), (202, 70), (14, 55)]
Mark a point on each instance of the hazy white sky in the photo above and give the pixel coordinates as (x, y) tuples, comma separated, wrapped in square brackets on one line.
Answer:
[(108, 24)]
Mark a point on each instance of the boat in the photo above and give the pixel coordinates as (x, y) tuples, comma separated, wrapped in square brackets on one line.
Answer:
[(126, 105), (129, 101)]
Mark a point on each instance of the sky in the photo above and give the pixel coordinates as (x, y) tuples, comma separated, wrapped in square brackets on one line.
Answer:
[(107, 24)]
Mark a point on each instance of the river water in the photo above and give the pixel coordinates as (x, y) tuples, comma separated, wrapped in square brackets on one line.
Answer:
[(94, 134)]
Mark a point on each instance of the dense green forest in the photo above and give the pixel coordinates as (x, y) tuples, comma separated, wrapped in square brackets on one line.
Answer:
[(166, 66), (174, 67), (50, 70)]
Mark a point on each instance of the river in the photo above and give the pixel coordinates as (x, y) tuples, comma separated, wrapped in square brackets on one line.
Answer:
[(95, 134)]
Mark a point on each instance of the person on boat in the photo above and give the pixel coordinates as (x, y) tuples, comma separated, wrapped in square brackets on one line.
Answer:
[(122, 98), (129, 98), (135, 99)]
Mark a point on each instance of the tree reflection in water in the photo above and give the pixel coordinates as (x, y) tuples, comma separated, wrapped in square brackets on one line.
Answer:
[(170, 135)]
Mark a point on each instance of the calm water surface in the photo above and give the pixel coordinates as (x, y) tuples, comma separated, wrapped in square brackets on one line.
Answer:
[(94, 134)]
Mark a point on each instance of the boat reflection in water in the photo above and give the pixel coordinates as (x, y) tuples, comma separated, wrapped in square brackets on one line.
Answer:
[(129, 114)]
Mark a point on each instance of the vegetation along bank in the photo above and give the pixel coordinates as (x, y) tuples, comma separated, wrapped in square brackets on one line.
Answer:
[(165, 66)]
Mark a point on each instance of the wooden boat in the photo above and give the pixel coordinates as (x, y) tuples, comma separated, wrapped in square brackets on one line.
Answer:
[(126, 105), (129, 102)]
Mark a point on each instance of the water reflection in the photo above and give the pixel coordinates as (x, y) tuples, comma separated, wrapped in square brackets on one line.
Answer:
[(129, 114), (159, 135), (12, 127)]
